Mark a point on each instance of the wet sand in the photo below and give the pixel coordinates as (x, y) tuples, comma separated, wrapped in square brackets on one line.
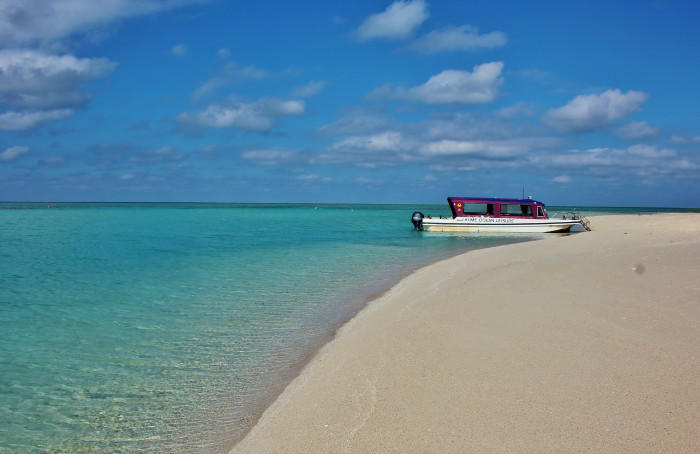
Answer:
[(589, 342)]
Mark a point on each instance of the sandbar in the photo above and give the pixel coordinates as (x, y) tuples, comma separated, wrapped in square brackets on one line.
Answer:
[(588, 342)]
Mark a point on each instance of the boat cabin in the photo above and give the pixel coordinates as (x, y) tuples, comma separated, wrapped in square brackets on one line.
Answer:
[(497, 208)]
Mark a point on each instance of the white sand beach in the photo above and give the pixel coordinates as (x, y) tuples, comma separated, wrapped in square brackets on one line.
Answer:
[(589, 342)]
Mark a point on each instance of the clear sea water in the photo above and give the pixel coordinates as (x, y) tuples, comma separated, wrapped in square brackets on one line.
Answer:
[(170, 327)]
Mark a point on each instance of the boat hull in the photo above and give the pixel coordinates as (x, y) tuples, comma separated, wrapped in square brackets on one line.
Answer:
[(498, 225)]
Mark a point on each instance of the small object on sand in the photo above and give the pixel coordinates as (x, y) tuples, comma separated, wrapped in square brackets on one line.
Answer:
[(639, 268)]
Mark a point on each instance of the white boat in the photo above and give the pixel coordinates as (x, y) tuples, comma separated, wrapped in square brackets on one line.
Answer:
[(496, 215)]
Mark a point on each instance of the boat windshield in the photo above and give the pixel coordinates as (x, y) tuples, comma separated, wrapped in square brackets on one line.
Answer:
[(516, 210), (478, 208)]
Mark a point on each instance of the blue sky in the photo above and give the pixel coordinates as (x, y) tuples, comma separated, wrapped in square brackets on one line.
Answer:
[(594, 103)]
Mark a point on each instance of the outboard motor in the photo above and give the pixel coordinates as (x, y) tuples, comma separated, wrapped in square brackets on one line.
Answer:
[(417, 219)]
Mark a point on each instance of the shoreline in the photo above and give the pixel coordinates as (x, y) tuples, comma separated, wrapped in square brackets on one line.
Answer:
[(280, 426), (370, 292)]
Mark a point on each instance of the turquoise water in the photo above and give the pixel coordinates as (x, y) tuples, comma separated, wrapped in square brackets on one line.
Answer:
[(169, 327)]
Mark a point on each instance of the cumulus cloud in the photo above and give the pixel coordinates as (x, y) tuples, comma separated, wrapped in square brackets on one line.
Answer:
[(27, 21), (34, 79), (36, 87), (454, 86), (12, 153), (397, 21), (448, 144), (636, 156), (20, 121), (454, 39), (637, 130), (488, 149), (255, 116), (464, 140), (461, 125), (387, 148), (310, 89), (648, 162), (587, 113)]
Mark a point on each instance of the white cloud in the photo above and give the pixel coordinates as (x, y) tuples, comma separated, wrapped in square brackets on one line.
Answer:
[(12, 153), (387, 148), (487, 149), (36, 87), (397, 21), (453, 39), (445, 168), (229, 74), (312, 177), (224, 52), (127, 176), (636, 156), (586, 113), (251, 72), (26, 21), (386, 141), (255, 116), (310, 89), (463, 125), (463, 140), (455, 87), (179, 50), (34, 79), (637, 130), (562, 179), (357, 122), (20, 121), (650, 151), (685, 140), (268, 157), (520, 109), (648, 162)]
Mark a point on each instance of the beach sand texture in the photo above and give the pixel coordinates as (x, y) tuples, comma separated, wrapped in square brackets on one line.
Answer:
[(589, 342)]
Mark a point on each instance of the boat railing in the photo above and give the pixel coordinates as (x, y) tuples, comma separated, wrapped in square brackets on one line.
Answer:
[(574, 216)]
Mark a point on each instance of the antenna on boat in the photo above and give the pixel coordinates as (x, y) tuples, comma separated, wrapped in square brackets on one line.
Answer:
[(523, 190)]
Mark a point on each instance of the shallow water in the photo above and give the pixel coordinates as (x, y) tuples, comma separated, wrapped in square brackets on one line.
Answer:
[(169, 327)]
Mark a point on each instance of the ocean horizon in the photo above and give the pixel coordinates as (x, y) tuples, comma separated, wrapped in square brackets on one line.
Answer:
[(170, 326)]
